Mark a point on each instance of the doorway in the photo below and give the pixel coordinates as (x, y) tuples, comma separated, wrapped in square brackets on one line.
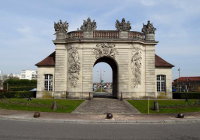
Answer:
[(105, 78)]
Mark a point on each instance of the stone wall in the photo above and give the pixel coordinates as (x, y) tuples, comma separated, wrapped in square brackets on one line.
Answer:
[(168, 73), (41, 71), (135, 63), (60, 70), (125, 52)]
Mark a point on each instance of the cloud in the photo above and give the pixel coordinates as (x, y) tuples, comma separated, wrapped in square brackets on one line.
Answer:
[(179, 50), (27, 27), (148, 2)]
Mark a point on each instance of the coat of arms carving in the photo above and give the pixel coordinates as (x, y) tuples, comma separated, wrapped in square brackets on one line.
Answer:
[(105, 49)]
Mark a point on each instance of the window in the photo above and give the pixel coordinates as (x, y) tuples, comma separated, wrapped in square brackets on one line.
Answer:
[(48, 82), (161, 83)]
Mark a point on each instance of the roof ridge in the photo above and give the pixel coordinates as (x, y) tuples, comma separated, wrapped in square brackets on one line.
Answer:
[(50, 61)]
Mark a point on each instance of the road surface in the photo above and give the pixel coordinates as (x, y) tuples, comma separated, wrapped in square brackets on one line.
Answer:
[(25, 130)]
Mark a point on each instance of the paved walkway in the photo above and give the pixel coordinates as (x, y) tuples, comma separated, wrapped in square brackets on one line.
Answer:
[(105, 105), (97, 118)]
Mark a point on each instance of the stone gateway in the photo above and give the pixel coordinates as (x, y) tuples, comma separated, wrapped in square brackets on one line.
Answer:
[(137, 71)]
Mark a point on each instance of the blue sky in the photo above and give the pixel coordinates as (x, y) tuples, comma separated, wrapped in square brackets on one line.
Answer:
[(26, 32)]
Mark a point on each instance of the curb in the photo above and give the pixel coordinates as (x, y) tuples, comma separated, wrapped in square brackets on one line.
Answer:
[(106, 121), (81, 105), (131, 107)]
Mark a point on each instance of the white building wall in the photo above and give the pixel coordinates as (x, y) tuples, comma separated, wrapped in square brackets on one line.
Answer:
[(41, 93), (168, 73), (60, 70), (28, 74)]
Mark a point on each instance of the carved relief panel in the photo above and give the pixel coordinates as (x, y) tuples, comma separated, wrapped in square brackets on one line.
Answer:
[(74, 65), (105, 49), (136, 64)]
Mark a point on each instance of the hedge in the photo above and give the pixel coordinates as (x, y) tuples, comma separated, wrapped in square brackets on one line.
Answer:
[(17, 94), (21, 88), (186, 95), (19, 84)]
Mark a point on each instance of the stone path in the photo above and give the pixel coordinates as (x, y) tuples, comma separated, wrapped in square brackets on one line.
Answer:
[(105, 105)]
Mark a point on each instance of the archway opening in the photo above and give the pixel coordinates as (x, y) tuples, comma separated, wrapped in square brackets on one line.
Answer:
[(105, 78)]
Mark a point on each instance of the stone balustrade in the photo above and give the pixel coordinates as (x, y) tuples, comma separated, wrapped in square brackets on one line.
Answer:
[(75, 34), (106, 34), (136, 35)]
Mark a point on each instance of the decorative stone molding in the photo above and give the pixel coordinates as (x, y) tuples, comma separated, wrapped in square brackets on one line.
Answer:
[(123, 25), (136, 66), (148, 29), (88, 25), (105, 49), (61, 26), (74, 66), (61, 29)]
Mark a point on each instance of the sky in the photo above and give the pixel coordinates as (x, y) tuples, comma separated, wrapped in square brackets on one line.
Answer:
[(26, 29)]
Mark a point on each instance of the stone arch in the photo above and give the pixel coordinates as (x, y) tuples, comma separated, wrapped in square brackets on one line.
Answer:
[(113, 64)]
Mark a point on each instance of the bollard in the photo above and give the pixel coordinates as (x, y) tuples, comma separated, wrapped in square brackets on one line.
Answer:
[(156, 106), (109, 115), (36, 115), (54, 106), (180, 115), (89, 96), (121, 98)]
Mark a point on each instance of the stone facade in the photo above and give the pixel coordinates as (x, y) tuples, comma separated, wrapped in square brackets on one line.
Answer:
[(130, 54), (168, 73)]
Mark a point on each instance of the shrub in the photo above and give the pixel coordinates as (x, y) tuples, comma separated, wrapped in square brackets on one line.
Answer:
[(19, 84), (16, 94), (184, 95)]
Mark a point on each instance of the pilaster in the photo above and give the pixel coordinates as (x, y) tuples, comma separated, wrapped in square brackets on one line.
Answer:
[(150, 70), (60, 71), (123, 34)]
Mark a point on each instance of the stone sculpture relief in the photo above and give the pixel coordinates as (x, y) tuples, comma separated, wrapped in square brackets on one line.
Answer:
[(61, 27), (105, 49), (136, 66), (123, 25), (88, 25), (74, 66), (148, 29)]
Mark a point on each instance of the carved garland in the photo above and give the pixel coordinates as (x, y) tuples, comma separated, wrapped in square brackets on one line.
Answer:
[(74, 66), (136, 66), (105, 49)]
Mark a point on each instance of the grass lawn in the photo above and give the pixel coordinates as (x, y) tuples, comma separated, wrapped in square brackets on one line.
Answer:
[(167, 106), (43, 105)]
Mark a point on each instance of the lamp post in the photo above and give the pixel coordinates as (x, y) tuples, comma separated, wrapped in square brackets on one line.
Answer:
[(101, 78)]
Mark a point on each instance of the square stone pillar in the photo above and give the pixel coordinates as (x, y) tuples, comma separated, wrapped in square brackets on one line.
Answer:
[(150, 83), (88, 34), (123, 34), (60, 71)]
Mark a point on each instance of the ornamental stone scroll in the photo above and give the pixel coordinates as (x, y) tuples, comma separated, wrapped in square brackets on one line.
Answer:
[(105, 49), (123, 25), (61, 29), (136, 65)]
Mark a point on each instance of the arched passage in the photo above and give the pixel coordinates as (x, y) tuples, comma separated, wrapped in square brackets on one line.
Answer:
[(113, 65)]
